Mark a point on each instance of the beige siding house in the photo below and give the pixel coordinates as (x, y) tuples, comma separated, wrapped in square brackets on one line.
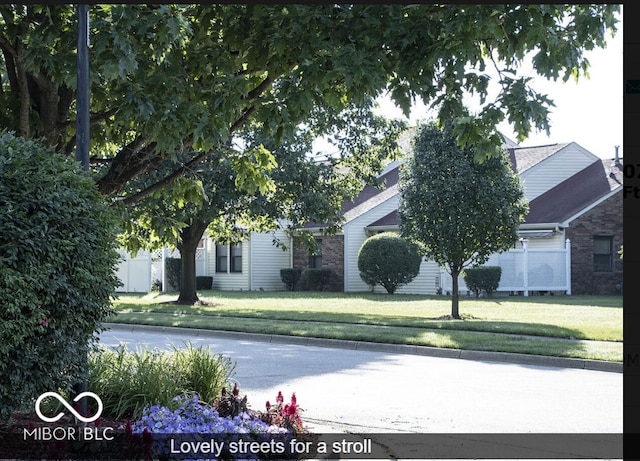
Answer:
[(573, 196), (253, 264), (561, 181)]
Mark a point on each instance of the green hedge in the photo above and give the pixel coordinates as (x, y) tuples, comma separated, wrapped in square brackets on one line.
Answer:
[(318, 279), (290, 277), (483, 278), (173, 266), (58, 265), (204, 282)]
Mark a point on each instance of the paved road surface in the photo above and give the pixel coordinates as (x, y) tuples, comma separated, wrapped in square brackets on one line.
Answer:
[(379, 392)]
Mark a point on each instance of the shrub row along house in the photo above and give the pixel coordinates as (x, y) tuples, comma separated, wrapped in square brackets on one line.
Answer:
[(568, 242)]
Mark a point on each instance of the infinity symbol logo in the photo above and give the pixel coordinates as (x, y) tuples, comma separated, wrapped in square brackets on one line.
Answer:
[(69, 407)]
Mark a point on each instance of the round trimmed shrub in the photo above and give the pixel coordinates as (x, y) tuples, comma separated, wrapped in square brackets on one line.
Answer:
[(482, 278), (57, 270), (389, 260)]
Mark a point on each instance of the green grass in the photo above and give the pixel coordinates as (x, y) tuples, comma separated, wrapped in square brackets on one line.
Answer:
[(544, 325)]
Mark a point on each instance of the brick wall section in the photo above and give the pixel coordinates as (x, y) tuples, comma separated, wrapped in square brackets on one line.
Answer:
[(332, 258), (603, 220)]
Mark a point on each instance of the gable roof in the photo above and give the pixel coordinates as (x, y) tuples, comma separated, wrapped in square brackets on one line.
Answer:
[(564, 201), (554, 206), (388, 180), (523, 158)]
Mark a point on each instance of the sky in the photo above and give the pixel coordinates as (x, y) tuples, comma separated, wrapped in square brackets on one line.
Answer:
[(588, 112)]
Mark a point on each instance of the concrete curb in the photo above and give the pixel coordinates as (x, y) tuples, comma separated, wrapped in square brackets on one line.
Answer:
[(523, 359)]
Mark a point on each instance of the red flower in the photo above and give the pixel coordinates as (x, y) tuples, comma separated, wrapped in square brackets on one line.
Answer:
[(268, 405), (280, 398), (294, 401), (236, 391), (147, 438), (128, 429)]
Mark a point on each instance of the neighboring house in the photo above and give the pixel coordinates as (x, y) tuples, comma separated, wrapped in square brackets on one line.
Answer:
[(574, 196), (253, 264)]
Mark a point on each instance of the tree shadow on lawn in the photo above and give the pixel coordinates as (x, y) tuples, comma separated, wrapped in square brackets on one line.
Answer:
[(443, 322), (569, 300), (345, 326)]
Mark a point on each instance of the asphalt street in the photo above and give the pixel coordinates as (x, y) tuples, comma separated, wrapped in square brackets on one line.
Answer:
[(360, 391)]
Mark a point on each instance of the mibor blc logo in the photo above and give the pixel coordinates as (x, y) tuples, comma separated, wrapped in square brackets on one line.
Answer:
[(68, 407)]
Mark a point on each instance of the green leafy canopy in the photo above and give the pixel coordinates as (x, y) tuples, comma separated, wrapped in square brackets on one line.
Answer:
[(166, 78)]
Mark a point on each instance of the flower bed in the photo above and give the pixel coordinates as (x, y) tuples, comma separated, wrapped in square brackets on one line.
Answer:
[(225, 430)]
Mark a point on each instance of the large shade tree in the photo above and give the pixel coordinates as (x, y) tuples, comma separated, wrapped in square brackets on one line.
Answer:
[(281, 187), (170, 79), (460, 211)]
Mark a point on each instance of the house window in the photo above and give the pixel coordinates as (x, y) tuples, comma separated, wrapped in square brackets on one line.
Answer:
[(229, 258), (315, 259), (236, 257), (221, 258), (603, 254)]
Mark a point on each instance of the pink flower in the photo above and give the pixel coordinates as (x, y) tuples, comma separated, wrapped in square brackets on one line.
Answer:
[(44, 322), (280, 398), (293, 399), (290, 410)]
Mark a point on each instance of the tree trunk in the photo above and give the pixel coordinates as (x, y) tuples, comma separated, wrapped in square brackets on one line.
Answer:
[(190, 237), (454, 293)]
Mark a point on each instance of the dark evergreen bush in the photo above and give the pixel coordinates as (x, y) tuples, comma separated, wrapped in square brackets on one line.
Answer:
[(58, 265), (290, 277), (389, 260), (483, 278), (204, 282), (173, 266), (318, 279)]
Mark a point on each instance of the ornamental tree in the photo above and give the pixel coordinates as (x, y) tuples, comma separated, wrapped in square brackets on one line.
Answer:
[(167, 79), (389, 260), (458, 210), (57, 270)]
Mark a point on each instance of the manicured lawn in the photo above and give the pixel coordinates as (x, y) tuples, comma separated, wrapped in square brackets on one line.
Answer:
[(535, 325)]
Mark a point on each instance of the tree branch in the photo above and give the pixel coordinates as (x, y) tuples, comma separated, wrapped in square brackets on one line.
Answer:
[(135, 198), (132, 160), (253, 94)]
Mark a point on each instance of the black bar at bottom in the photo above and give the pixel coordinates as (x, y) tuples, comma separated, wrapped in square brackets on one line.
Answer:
[(103, 444)]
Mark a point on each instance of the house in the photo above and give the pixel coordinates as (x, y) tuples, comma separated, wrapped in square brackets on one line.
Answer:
[(568, 241), (571, 233), (253, 264)]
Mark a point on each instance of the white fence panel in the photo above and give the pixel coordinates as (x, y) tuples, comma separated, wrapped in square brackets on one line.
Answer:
[(134, 273), (526, 270)]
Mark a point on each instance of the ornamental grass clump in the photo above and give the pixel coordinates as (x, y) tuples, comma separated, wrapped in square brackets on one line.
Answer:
[(130, 381)]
